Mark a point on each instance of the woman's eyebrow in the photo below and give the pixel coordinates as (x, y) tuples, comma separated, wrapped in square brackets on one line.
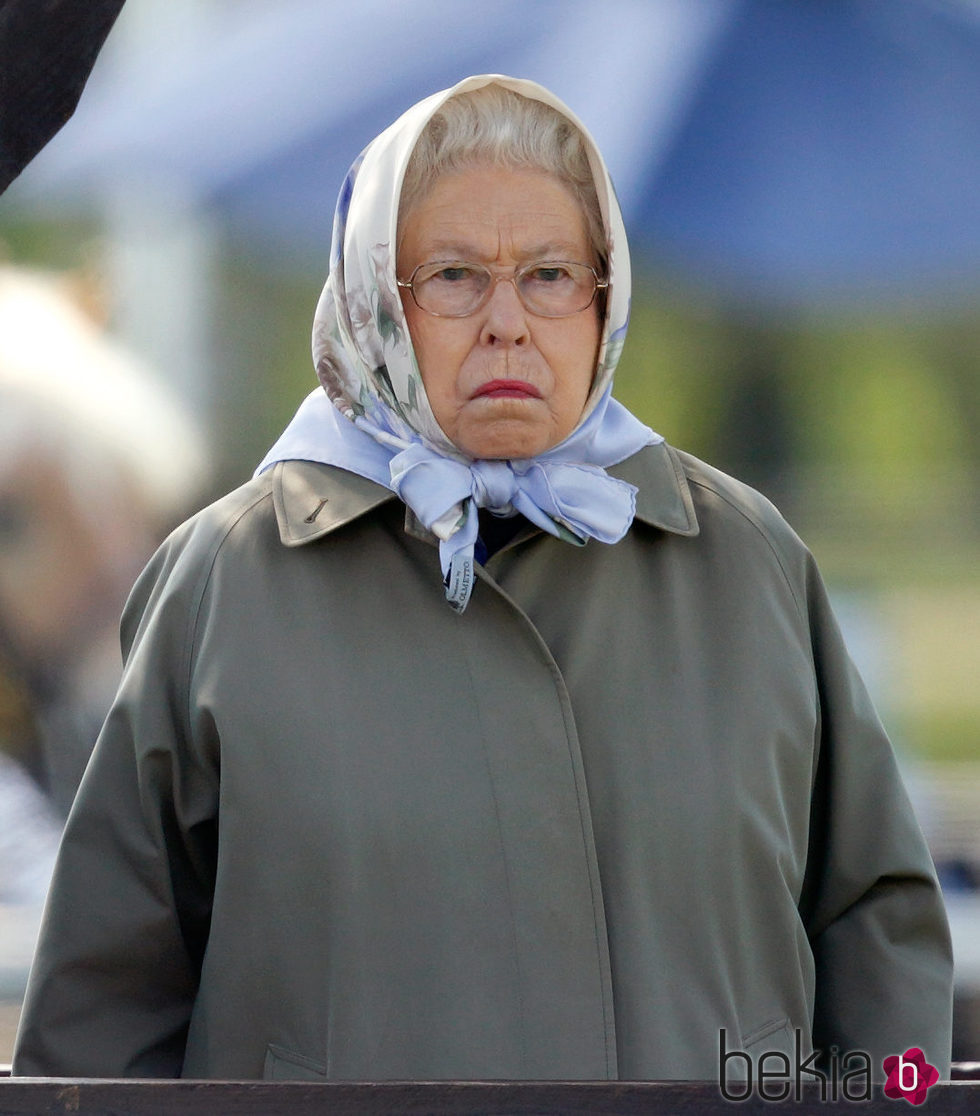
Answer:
[(554, 250)]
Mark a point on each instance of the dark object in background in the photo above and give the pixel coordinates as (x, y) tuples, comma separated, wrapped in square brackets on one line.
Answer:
[(47, 51)]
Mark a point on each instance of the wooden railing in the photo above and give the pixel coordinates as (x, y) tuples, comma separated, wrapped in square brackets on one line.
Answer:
[(56, 1096)]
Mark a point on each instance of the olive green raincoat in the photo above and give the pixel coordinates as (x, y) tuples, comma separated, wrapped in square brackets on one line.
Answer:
[(634, 795)]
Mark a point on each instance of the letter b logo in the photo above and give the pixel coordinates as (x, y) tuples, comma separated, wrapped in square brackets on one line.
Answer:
[(909, 1076)]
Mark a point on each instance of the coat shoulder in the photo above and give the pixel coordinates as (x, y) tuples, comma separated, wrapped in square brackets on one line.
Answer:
[(745, 520), (210, 526), (715, 491), (720, 495), (179, 570)]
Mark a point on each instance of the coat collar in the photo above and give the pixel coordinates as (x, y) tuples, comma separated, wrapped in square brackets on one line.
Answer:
[(312, 500), (663, 497)]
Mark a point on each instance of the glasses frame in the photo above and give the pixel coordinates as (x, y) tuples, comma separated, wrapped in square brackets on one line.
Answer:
[(409, 285)]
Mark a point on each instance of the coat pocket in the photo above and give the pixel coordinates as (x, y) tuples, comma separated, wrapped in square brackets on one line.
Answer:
[(776, 1035), (285, 1065)]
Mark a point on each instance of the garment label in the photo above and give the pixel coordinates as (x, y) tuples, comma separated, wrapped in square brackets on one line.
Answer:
[(459, 582)]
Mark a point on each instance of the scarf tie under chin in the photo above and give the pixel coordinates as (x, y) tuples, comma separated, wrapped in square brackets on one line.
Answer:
[(574, 502), (565, 491)]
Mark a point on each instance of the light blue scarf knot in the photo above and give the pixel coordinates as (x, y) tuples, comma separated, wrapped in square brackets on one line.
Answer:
[(573, 502), (565, 491)]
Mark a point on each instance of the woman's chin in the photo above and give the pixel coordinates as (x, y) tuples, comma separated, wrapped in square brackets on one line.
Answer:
[(506, 439), (505, 428)]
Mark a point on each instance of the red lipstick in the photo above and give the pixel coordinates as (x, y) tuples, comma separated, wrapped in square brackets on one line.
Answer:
[(503, 389)]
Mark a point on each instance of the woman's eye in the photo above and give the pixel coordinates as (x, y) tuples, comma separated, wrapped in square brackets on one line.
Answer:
[(550, 273), (454, 274)]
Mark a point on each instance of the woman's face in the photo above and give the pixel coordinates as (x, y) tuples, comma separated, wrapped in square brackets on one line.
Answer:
[(502, 382)]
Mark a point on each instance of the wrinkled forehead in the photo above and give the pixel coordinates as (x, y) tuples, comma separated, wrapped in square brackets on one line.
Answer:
[(485, 212)]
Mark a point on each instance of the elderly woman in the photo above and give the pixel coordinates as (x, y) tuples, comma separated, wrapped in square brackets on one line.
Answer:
[(483, 734)]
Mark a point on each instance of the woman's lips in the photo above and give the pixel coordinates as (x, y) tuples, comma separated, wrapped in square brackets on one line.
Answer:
[(507, 389)]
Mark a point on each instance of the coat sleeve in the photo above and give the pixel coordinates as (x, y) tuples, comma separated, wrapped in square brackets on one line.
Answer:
[(871, 900), (118, 960)]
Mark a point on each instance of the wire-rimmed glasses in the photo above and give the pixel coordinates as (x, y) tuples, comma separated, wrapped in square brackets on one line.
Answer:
[(547, 288)]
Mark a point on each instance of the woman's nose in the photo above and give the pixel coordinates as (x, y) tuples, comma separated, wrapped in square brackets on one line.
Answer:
[(505, 319)]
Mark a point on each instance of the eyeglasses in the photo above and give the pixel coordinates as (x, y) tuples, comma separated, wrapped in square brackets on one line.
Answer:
[(546, 288)]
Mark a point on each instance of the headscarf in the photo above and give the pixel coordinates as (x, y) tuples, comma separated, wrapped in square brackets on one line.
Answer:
[(380, 424)]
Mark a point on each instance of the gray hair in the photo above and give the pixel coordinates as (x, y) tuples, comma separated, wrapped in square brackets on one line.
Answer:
[(494, 126)]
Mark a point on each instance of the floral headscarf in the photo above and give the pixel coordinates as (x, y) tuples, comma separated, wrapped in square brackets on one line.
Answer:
[(381, 424)]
